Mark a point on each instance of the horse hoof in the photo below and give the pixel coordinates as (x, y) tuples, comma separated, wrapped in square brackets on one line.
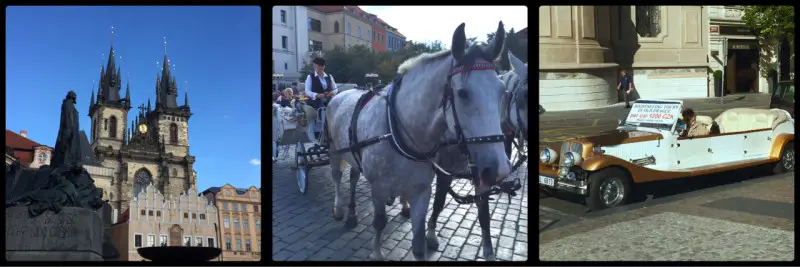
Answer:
[(490, 258), (419, 254), (406, 212), (337, 217), (433, 243), (351, 222), (375, 256)]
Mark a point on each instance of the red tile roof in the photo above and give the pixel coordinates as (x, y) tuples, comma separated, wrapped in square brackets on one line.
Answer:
[(14, 140), (328, 8), (124, 216)]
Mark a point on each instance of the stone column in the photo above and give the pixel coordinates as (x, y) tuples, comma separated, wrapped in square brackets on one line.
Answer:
[(576, 69)]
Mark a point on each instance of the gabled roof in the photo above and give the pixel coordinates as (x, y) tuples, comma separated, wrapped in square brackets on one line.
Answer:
[(20, 147), (216, 189)]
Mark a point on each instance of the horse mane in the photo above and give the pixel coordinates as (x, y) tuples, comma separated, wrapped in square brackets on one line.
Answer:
[(469, 58)]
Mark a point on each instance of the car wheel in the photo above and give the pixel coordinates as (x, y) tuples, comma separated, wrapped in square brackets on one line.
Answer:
[(608, 188), (786, 164)]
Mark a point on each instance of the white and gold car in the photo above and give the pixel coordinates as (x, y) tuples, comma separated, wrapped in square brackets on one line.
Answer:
[(647, 147)]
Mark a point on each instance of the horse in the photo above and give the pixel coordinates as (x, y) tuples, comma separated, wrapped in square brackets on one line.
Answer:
[(514, 110), (454, 90)]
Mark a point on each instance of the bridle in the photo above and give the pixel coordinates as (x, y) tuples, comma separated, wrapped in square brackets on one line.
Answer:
[(509, 96), (461, 140)]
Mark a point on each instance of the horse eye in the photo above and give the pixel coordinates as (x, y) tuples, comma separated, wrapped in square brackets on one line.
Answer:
[(463, 94)]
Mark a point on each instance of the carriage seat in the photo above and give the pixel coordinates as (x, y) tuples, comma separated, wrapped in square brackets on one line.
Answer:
[(748, 119)]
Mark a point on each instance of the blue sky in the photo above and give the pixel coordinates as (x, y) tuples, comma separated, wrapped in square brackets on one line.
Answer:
[(51, 50)]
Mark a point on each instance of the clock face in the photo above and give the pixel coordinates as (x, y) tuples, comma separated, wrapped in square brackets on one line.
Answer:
[(143, 128)]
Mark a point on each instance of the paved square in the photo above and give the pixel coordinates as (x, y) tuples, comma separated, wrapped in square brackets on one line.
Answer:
[(304, 229)]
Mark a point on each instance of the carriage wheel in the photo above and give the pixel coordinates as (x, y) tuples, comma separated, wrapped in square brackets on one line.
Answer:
[(298, 159), (302, 179)]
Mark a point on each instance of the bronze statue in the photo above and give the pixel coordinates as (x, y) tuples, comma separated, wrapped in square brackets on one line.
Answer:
[(68, 142)]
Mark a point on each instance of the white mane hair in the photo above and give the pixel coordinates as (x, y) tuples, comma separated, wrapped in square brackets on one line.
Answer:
[(421, 59)]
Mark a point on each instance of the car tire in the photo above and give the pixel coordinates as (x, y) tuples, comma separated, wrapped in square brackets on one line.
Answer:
[(786, 164), (611, 179)]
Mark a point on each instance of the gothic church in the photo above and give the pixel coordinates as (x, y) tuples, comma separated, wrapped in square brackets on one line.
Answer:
[(154, 149)]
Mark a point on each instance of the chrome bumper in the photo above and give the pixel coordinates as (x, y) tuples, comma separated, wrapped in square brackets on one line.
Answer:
[(567, 185)]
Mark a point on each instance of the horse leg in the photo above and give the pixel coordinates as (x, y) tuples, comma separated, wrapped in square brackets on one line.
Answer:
[(379, 223), (336, 179), (352, 221), (483, 219), (442, 185), (419, 204)]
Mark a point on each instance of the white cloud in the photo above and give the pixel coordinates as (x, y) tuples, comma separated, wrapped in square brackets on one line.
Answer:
[(255, 162), (430, 23)]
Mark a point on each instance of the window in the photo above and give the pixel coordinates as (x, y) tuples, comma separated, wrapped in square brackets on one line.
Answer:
[(202, 216), (137, 240), (158, 213), (246, 224), (369, 35), (238, 245), (336, 27), (236, 223), (141, 180), (314, 25), (162, 240), (247, 245), (226, 222), (285, 65), (255, 208), (228, 243), (283, 16), (648, 21), (198, 241), (143, 212), (359, 31), (113, 132), (150, 212), (235, 206), (210, 241), (151, 240), (347, 30), (194, 216), (316, 46), (224, 205), (187, 241), (186, 215), (285, 42), (173, 134), (258, 224), (105, 124)]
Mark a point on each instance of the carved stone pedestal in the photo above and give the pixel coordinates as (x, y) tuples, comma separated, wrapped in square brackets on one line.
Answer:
[(74, 234)]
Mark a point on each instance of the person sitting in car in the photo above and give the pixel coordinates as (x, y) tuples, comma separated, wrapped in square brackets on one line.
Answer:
[(693, 127)]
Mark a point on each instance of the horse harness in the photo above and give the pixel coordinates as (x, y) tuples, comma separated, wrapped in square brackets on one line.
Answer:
[(394, 125)]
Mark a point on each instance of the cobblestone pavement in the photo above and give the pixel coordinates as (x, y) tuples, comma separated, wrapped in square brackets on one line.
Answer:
[(304, 229)]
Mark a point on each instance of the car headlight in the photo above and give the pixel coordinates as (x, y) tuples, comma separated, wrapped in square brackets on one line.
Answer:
[(572, 159), (548, 156)]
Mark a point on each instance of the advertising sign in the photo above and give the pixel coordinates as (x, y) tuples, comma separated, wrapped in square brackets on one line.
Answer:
[(654, 112)]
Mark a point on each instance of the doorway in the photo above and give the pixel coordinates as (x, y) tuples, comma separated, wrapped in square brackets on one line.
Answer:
[(741, 73)]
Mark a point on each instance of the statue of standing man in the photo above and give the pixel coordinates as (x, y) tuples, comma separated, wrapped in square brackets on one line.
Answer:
[(68, 142)]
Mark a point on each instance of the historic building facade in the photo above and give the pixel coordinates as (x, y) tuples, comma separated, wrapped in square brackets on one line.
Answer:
[(289, 41), (240, 221), (153, 219), (582, 49), (26, 152), (153, 150)]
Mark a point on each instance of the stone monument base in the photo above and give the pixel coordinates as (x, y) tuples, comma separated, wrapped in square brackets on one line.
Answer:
[(74, 234)]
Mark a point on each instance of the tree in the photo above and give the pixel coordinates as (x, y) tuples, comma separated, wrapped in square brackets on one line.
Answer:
[(772, 25)]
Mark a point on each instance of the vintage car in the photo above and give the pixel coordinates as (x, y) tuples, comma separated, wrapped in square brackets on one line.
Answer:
[(647, 146)]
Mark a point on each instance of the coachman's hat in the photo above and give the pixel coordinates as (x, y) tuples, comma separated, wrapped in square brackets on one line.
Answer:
[(319, 61)]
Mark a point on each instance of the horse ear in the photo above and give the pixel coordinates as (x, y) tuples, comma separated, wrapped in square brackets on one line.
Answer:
[(459, 44), (496, 47), (516, 64)]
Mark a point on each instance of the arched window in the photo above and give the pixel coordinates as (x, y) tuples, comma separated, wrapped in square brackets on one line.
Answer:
[(336, 27), (105, 124), (648, 21), (173, 133), (113, 132), (141, 180)]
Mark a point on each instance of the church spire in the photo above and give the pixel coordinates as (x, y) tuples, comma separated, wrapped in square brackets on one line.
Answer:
[(92, 101), (186, 93), (148, 104), (167, 91)]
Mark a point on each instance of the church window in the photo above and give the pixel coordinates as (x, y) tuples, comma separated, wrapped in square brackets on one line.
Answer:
[(174, 172), (105, 124), (336, 27), (173, 133), (648, 21), (113, 132), (141, 180)]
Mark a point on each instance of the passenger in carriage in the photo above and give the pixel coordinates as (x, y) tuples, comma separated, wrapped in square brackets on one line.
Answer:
[(693, 126)]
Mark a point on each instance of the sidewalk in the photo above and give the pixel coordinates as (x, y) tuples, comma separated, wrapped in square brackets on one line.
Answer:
[(747, 221), (755, 100)]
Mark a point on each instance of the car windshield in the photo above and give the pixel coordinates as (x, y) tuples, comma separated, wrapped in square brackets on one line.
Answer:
[(787, 91)]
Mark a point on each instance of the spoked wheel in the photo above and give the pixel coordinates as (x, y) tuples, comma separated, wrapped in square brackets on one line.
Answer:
[(519, 156), (302, 179), (299, 149)]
